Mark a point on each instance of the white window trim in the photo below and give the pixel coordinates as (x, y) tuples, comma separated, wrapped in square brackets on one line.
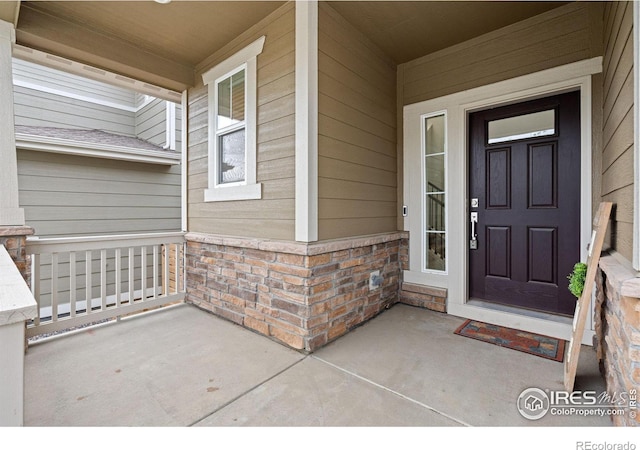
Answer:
[(423, 176), (249, 189)]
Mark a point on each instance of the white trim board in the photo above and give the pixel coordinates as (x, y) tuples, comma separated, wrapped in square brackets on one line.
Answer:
[(306, 157), (575, 76)]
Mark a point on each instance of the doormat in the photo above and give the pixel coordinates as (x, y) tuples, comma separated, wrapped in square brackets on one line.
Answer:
[(534, 344)]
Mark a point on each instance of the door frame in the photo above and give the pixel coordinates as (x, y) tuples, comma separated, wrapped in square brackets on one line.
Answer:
[(457, 106)]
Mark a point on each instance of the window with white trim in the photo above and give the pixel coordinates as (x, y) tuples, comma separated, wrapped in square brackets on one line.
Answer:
[(232, 102), (434, 193)]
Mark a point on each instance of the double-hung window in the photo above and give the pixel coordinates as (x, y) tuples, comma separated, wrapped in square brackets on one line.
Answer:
[(232, 103)]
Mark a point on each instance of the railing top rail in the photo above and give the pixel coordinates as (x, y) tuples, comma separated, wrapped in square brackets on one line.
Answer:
[(37, 245), (16, 300)]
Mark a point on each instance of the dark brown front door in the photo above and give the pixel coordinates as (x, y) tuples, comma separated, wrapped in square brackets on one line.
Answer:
[(525, 174)]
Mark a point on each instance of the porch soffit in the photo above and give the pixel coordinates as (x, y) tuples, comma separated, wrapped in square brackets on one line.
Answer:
[(162, 44), (406, 30), (157, 43)]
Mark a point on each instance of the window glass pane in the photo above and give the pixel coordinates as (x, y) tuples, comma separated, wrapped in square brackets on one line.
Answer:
[(434, 166), (231, 150), (434, 135), (435, 251), (435, 212), (522, 127), (231, 100)]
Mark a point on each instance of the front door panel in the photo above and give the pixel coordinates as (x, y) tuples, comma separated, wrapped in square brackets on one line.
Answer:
[(525, 172)]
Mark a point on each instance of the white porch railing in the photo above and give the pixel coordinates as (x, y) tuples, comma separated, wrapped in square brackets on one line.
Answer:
[(82, 280)]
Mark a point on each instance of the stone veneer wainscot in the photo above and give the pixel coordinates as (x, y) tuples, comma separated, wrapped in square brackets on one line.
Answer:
[(303, 295), (618, 332)]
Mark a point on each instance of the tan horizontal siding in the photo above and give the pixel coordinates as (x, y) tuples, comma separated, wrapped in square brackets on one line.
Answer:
[(619, 139), (357, 174), (337, 228), (623, 199), (353, 209), (337, 149), (343, 170), (273, 216), (617, 156), (353, 190), (340, 131), (619, 174), (65, 195), (274, 229), (557, 37)]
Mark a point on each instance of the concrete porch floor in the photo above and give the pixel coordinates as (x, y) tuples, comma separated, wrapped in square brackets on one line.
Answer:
[(185, 367)]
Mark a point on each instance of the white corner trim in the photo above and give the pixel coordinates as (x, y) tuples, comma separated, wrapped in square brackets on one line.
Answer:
[(234, 193), (170, 127), (184, 151), (636, 136), (68, 147), (306, 97), (250, 51)]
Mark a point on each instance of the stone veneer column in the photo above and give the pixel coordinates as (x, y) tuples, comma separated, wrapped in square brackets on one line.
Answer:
[(618, 332), (10, 212), (303, 295), (14, 239)]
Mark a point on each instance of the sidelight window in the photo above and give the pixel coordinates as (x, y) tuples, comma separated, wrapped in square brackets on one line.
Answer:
[(434, 176)]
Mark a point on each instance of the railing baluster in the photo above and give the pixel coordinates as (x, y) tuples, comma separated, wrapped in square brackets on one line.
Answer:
[(118, 277), (183, 270), (178, 274), (88, 282), (143, 271), (103, 278), (54, 287), (35, 279), (72, 284), (131, 274), (165, 274), (155, 271)]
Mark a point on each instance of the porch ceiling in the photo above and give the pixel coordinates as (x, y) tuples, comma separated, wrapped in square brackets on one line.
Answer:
[(406, 30), (163, 43)]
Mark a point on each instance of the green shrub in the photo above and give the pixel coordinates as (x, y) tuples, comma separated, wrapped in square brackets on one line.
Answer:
[(577, 278)]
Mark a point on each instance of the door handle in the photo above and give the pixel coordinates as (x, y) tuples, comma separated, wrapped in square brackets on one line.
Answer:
[(473, 243), (474, 221)]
